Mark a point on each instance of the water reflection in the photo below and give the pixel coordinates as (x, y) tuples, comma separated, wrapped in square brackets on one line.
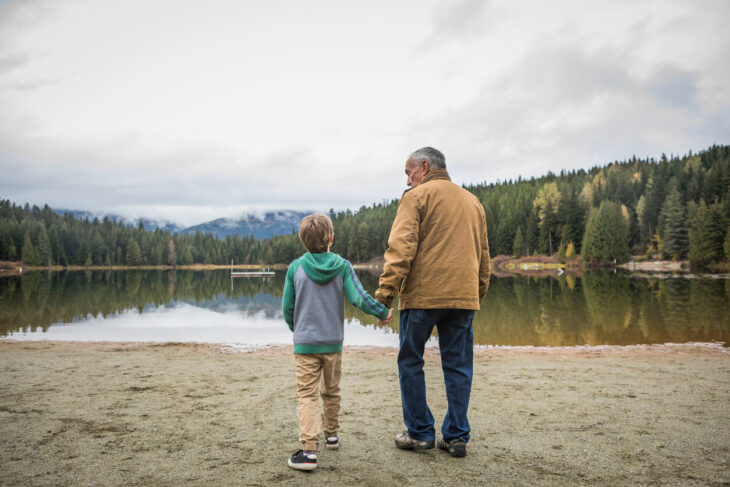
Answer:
[(595, 309)]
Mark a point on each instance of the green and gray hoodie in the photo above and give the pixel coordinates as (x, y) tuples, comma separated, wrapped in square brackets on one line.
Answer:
[(313, 303)]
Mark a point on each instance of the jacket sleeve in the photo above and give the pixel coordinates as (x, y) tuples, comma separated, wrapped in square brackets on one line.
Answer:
[(357, 296), (287, 300), (484, 262), (402, 246)]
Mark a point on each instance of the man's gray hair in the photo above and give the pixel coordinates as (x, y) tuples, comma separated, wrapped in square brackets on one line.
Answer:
[(435, 158)]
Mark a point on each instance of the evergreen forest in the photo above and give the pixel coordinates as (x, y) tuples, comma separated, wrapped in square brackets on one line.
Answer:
[(677, 207)]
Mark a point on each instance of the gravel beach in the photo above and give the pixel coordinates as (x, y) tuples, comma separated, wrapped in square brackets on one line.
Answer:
[(188, 414)]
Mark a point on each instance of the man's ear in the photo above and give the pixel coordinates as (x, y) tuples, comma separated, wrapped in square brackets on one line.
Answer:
[(426, 167)]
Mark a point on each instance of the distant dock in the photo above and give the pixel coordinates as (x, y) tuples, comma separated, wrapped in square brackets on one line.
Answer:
[(252, 273), (265, 272)]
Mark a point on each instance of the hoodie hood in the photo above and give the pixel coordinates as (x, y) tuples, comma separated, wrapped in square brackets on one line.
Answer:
[(322, 268)]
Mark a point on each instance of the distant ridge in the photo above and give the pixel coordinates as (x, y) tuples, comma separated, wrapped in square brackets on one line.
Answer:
[(148, 223), (270, 224)]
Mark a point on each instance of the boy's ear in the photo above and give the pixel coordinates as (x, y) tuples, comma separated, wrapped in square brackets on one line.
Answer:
[(332, 237)]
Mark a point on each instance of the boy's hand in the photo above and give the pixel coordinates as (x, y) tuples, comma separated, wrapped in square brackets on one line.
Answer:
[(387, 320)]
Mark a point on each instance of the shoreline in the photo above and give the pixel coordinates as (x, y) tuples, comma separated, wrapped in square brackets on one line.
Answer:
[(502, 265), (19, 269), (712, 348)]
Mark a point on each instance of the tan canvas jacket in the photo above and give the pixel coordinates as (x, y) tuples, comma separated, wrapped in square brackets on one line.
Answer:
[(438, 255)]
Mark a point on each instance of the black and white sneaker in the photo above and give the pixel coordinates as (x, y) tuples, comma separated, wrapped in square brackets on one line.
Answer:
[(332, 442), (303, 460), (457, 447)]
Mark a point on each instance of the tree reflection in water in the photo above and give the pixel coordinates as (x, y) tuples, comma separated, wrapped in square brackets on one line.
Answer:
[(594, 309)]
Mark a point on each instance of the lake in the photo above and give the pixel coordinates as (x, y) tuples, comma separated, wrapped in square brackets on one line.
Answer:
[(208, 306)]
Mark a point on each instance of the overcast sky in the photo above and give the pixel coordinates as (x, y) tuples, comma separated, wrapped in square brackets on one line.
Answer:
[(191, 110)]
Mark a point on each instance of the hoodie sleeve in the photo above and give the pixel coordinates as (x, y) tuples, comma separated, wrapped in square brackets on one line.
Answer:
[(287, 300), (357, 296)]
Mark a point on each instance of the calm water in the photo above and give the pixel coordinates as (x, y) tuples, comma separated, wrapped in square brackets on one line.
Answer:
[(209, 306)]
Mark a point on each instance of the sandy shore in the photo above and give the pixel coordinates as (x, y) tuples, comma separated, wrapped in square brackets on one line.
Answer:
[(175, 415)]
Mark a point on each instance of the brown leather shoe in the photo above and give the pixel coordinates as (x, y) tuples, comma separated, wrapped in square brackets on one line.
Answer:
[(405, 442), (456, 447)]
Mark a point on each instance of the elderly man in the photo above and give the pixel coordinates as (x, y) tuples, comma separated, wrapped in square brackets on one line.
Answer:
[(438, 261)]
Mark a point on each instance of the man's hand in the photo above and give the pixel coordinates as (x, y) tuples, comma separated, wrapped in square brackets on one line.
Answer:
[(387, 320)]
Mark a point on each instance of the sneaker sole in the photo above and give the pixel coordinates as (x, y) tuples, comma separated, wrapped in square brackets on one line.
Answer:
[(333, 447), (302, 466)]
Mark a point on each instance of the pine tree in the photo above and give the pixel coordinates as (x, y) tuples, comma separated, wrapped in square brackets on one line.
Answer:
[(171, 259), (3, 246), (505, 233), (531, 238), (674, 212), (342, 239), (606, 235), (518, 246), (364, 242), (572, 214), (546, 203), (705, 235), (44, 247), (30, 254), (654, 196), (187, 258), (548, 230), (134, 255), (268, 257), (98, 249)]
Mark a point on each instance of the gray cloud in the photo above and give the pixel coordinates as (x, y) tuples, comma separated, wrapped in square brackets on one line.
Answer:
[(25, 13), (674, 87), (188, 186), (13, 61), (459, 18), (455, 20), (576, 105), (31, 84)]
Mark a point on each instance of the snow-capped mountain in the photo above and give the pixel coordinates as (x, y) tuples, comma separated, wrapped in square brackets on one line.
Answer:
[(271, 223), (149, 223)]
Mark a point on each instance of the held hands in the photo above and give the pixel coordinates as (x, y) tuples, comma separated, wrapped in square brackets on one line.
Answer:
[(387, 320)]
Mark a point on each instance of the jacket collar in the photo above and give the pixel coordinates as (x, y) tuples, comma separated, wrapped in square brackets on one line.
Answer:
[(436, 174), (432, 175)]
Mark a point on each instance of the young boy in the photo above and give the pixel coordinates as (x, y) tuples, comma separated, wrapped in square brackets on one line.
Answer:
[(314, 309)]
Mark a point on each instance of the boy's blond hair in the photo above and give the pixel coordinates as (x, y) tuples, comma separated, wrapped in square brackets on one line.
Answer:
[(315, 232)]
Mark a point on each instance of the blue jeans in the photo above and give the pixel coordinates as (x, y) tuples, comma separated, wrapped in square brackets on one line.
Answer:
[(456, 339)]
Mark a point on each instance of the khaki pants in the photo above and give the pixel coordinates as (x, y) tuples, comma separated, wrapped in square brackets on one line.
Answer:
[(318, 374)]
